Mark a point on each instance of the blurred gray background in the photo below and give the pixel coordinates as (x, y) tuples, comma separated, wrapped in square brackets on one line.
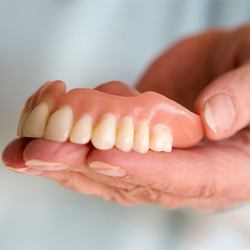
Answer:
[(86, 43)]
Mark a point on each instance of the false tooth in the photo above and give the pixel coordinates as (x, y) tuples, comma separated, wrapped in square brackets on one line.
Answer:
[(141, 138), (103, 136), (21, 123), (161, 139), (125, 134), (36, 121), (59, 125), (81, 132)]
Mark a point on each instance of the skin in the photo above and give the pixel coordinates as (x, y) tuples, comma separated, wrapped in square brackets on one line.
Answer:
[(214, 174)]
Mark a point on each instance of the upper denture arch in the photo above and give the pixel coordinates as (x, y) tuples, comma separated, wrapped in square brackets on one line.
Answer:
[(147, 120)]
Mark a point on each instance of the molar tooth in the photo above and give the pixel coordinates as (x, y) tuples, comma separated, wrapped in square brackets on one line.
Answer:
[(103, 136), (81, 132), (59, 125), (125, 134), (141, 139), (161, 138), (21, 123), (36, 121)]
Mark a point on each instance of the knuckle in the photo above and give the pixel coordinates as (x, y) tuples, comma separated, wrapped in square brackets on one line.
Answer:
[(69, 180), (208, 189), (144, 192), (163, 183), (122, 197)]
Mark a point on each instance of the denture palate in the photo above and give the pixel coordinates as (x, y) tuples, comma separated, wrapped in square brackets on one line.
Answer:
[(143, 122)]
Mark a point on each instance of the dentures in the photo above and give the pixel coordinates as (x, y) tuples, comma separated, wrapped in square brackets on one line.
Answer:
[(145, 122)]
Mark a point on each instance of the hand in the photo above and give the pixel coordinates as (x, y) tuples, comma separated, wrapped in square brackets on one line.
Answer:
[(209, 73)]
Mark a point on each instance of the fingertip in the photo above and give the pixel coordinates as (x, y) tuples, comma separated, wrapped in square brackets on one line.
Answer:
[(218, 114), (12, 155)]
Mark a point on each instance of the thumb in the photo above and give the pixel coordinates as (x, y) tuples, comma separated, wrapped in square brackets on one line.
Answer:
[(225, 104)]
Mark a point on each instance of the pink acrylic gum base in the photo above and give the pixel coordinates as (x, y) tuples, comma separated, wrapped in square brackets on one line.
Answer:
[(186, 126)]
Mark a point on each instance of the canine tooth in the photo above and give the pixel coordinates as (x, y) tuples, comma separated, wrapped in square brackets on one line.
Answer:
[(59, 125), (36, 121), (161, 138), (141, 139), (81, 132), (125, 134), (103, 136), (21, 123)]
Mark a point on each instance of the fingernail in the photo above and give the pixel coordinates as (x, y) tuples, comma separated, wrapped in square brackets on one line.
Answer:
[(26, 170), (107, 169), (219, 113), (44, 165), (32, 171), (18, 170)]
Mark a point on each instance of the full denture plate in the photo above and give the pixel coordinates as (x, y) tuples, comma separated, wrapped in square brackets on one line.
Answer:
[(82, 130), (36, 121), (59, 125), (142, 122), (161, 139), (104, 133), (125, 134), (141, 139)]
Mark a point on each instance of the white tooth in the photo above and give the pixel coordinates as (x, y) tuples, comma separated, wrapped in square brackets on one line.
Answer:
[(59, 125), (36, 121), (141, 140), (81, 132), (125, 134), (103, 136), (161, 138), (21, 123)]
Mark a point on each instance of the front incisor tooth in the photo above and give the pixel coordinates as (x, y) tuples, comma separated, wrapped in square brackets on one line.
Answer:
[(103, 136), (81, 132), (161, 138), (21, 123), (125, 134), (36, 121), (141, 140), (59, 125)]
